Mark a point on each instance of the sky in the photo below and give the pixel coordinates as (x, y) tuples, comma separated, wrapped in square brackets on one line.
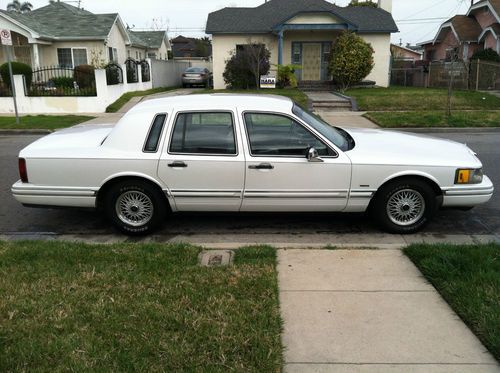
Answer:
[(418, 20)]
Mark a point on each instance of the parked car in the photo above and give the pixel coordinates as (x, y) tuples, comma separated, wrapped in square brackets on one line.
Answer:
[(197, 76), (224, 152)]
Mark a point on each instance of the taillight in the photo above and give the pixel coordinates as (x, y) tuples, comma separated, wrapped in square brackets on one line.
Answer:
[(23, 172)]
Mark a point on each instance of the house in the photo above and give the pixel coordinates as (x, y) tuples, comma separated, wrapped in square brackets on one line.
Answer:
[(400, 53), (301, 32), (190, 48), (150, 44), (465, 34), (63, 35)]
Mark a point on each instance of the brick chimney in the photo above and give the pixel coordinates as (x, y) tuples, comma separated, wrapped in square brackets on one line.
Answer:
[(386, 5)]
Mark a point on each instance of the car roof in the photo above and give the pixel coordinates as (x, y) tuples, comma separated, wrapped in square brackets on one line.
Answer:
[(216, 101)]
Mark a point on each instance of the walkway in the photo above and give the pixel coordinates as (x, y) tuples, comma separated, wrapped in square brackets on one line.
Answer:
[(369, 311)]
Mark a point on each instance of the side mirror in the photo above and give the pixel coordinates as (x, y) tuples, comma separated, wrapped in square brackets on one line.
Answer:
[(313, 156)]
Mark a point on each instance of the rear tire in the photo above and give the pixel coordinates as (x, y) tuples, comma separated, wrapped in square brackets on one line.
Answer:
[(404, 206), (135, 207)]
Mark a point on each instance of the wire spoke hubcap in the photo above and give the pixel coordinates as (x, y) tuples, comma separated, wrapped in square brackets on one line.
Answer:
[(405, 207), (134, 208)]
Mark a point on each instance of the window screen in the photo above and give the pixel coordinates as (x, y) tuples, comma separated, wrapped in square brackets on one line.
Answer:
[(272, 134), (79, 56), (64, 57), (154, 134), (204, 133)]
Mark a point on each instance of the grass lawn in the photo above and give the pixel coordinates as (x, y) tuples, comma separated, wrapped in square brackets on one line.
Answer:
[(416, 99), (435, 119), (48, 122), (468, 277), (131, 307), (295, 94), (118, 104)]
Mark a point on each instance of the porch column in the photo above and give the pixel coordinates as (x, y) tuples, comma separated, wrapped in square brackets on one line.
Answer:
[(36, 56), (280, 47)]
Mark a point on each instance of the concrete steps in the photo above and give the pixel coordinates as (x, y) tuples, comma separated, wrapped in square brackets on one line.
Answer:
[(333, 105)]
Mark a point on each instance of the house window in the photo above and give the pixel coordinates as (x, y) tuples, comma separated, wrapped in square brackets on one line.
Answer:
[(136, 55), (151, 55), (128, 53), (70, 57), (113, 54), (296, 53)]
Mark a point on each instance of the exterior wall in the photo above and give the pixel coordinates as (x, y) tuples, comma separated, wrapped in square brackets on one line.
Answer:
[(162, 52), (381, 44), (48, 53), (70, 105), (404, 54), (136, 53), (117, 40), (223, 45), (448, 42), (313, 18), (490, 42), (304, 36), (484, 17)]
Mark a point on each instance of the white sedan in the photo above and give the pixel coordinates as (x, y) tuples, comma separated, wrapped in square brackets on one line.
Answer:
[(224, 152)]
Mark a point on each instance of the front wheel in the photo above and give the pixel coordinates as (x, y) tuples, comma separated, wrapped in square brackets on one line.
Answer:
[(404, 206), (135, 207)]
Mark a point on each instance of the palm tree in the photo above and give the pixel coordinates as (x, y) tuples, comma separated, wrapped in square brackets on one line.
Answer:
[(18, 7)]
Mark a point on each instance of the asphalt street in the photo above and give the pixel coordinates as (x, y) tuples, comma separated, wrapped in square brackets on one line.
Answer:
[(16, 219)]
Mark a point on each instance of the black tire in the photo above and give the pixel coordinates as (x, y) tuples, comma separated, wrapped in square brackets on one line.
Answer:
[(135, 194), (404, 216)]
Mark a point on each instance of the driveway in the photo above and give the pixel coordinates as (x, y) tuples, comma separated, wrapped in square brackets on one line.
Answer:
[(301, 228)]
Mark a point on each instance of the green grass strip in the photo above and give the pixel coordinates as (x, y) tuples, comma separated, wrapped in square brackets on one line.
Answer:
[(46, 122), (118, 104)]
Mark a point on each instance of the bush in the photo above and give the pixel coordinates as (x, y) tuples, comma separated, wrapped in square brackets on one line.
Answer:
[(63, 82), (18, 68), (351, 60), (363, 3), (286, 76), (113, 74), (486, 55), (85, 76), (246, 65)]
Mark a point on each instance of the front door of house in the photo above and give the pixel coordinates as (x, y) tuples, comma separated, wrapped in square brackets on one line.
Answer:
[(311, 61)]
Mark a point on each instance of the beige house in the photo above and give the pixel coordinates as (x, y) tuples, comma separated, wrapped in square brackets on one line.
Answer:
[(301, 32), (60, 34)]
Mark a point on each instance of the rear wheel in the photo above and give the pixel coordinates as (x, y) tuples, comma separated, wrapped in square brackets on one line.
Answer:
[(404, 206), (135, 207)]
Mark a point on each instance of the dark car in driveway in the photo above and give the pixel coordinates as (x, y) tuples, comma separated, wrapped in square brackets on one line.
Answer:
[(197, 76)]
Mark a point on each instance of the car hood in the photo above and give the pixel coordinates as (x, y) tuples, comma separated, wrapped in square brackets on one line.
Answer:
[(375, 146), (65, 142)]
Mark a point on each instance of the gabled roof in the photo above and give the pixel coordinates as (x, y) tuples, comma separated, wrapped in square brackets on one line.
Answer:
[(465, 29), (266, 17), (493, 28), (149, 39), (62, 21), (494, 5)]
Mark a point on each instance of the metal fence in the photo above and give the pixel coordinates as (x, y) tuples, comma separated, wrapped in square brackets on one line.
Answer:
[(132, 71), (114, 74), (474, 75), (61, 81), (145, 71)]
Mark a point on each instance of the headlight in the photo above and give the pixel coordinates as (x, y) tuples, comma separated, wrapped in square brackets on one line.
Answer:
[(469, 176)]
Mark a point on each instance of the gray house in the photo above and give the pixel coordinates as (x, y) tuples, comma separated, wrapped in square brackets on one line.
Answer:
[(301, 32)]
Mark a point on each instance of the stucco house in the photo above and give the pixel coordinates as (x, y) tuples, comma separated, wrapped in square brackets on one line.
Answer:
[(150, 44), (60, 34), (478, 29), (401, 53), (301, 32)]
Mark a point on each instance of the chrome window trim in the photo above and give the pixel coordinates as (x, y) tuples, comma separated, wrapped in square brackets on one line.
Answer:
[(299, 122), (159, 137), (233, 155)]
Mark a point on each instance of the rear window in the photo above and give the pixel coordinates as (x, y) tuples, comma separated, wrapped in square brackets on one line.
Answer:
[(195, 70), (154, 135)]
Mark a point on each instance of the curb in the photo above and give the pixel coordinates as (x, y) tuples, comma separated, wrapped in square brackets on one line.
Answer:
[(443, 129), (25, 132)]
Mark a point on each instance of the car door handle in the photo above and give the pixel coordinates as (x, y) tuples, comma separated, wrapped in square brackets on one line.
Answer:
[(177, 164), (262, 166)]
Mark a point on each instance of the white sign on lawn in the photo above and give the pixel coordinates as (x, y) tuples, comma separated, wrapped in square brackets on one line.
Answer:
[(6, 37), (267, 81)]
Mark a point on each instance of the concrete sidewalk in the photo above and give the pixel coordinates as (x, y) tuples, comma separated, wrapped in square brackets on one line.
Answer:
[(347, 119), (369, 311)]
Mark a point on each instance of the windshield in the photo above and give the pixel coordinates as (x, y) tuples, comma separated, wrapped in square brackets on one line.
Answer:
[(336, 135), (195, 70)]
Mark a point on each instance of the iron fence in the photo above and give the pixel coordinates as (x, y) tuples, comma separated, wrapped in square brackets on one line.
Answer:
[(145, 71), (132, 71), (473, 75), (62, 81), (114, 74)]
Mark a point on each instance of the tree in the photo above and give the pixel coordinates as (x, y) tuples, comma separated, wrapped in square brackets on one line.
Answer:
[(247, 63), (351, 60), (363, 3), (18, 7)]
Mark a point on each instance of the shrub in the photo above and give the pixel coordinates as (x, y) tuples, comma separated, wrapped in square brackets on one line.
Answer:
[(85, 76), (246, 65), (363, 3), (113, 74), (18, 68), (63, 82), (286, 76), (351, 60), (486, 55)]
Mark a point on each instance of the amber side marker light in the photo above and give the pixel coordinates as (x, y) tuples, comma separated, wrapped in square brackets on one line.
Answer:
[(23, 172), (469, 176)]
